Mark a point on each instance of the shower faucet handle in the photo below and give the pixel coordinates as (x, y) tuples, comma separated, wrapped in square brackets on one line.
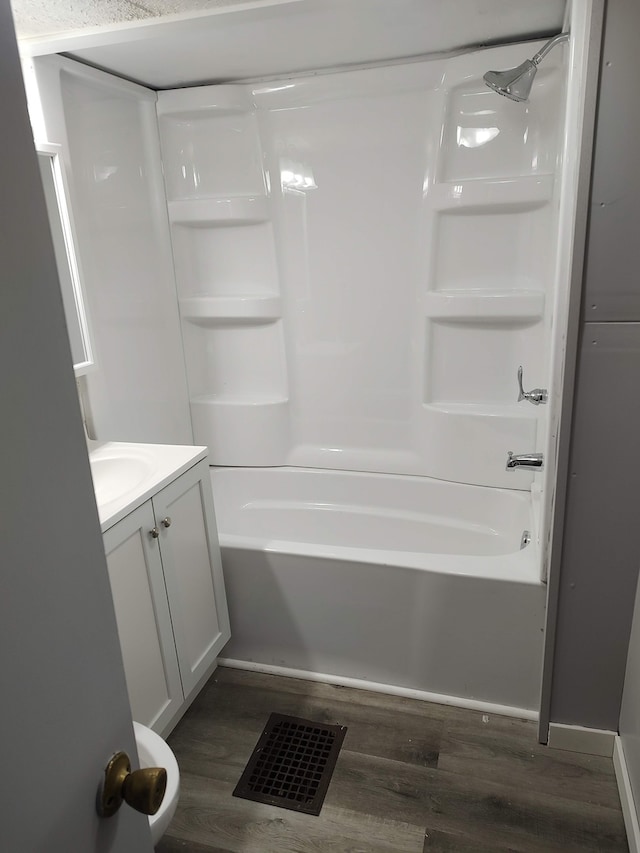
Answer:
[(536, 396)]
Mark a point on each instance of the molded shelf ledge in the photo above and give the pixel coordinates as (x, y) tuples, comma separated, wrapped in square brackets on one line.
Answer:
[(474, 306), (206, 310), (508, 411), (240, 402), (526, 193), (200, 213)]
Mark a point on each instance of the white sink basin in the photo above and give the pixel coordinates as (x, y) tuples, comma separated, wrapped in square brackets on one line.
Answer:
[(114, 476), (127, 474)]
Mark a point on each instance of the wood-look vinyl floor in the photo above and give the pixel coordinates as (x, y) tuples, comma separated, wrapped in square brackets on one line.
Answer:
[(412, 777)]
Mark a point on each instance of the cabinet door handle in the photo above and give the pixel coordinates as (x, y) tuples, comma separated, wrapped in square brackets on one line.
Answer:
[(166, 522), (154, 532)]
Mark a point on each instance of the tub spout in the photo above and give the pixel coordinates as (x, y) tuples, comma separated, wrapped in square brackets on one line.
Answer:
[(524, 460)]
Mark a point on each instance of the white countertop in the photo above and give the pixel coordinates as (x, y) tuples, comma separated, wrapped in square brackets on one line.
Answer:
[(125, 475)]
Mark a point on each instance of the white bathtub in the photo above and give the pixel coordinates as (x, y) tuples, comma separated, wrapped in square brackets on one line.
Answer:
[(403, 584)]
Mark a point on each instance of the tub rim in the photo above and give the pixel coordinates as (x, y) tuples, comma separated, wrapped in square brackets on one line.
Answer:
[(515, 567)]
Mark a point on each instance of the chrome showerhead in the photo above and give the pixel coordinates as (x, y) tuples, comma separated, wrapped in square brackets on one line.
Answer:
[(516, 83)]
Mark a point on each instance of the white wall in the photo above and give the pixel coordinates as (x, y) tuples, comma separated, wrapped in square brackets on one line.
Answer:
[(108, 131)]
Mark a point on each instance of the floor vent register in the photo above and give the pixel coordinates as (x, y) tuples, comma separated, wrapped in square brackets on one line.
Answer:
[(292, 764)]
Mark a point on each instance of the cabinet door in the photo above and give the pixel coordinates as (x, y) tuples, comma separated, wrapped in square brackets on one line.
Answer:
[(193, 572), (144, 623)]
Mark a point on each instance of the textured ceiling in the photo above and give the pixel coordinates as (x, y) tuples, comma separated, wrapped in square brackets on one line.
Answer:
[(49, 17)]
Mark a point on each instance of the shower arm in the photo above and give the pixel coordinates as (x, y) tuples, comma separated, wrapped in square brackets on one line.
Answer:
[(540, 55)]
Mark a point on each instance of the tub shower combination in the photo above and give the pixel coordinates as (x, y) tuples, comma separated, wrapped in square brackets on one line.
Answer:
[(392, 580), (365, 264)]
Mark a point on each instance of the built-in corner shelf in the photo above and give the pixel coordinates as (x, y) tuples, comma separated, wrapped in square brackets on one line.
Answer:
[(522, 193), (207, 212), (478, 306), (211, 310)]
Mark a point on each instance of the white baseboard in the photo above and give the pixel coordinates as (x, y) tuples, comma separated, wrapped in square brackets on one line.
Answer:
[(375, 687), (579, 739), (626, 796)]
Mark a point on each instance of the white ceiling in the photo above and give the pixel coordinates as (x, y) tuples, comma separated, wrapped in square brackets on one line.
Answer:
[(229, 40), (50, 17)]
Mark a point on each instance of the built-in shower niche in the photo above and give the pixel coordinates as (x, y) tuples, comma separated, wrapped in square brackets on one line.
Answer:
[(210, 143), (486, 303), (488, 235), (474, 364), (490, 137), (224, 258), (238, 385), (226, 274)]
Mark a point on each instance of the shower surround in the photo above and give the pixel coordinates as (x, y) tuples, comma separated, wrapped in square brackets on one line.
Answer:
[(364, 259)]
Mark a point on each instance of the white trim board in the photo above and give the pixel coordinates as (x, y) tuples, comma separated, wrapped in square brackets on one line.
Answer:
[(627, 802), (579, 739), (376, 687)]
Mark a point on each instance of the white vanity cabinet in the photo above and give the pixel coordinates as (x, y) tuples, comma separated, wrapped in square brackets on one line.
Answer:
[(168, 591)]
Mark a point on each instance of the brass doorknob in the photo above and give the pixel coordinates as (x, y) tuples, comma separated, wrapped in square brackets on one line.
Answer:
[(142, 789)]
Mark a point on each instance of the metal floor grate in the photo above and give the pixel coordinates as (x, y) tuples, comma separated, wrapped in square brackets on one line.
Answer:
[(292, 764)]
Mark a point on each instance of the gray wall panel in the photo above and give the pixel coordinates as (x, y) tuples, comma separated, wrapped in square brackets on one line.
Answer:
[(613, 255), (597, 569), (601, 546)]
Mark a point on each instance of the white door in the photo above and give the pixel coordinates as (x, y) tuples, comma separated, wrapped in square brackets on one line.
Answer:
[(64, 708)]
